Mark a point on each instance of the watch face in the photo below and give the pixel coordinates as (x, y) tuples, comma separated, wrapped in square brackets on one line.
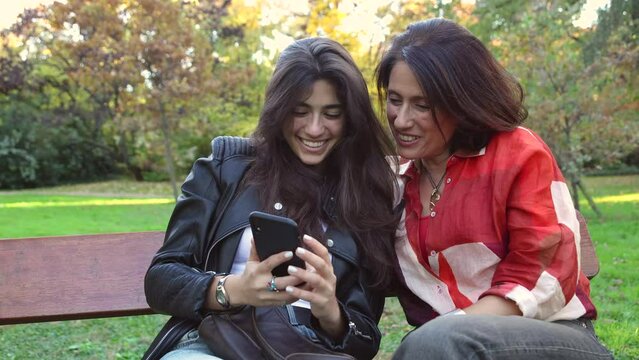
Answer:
[(220, 298), (220, 295)]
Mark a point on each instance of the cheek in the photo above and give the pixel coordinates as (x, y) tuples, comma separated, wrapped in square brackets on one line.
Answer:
[(391, 114), (294, 125), (337, 128)]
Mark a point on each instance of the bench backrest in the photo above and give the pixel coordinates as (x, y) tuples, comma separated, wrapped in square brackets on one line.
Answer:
[(589, 260), (75, 277), (93, 276)]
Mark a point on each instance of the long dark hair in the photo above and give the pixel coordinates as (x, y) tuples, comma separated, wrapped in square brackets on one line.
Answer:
[(354, 188), (457, 74)]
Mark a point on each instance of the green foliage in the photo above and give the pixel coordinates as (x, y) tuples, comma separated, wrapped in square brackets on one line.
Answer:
[(17, 167), (33, 154), (148, 84)]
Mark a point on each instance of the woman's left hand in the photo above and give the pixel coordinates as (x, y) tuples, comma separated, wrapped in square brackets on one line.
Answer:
[(320, 284)]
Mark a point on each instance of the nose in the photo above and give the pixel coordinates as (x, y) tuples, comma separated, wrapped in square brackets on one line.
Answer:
[(315, 125), (403, 117)]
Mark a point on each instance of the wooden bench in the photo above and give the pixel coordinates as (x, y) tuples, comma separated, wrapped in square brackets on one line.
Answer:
[(96, 276), (75, 277)]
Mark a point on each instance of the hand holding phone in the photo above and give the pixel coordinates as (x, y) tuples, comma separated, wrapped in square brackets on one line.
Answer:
[(273, 234)]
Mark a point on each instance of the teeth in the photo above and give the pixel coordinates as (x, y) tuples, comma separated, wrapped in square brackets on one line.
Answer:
[(407, 137), (313, 144)]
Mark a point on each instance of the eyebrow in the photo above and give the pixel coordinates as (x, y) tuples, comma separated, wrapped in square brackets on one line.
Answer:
[(391, 92), (327, 107)]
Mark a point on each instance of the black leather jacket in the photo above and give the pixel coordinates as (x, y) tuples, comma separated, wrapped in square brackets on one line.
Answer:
[(199, 242)]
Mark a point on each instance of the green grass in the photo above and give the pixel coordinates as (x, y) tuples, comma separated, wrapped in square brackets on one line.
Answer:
[(43, 215), (615, 290)]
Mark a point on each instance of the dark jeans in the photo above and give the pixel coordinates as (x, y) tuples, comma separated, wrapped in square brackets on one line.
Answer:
[(502, 337)]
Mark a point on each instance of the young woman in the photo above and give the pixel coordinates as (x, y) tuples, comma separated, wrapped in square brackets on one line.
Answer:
[(318, 157), (489, 232)]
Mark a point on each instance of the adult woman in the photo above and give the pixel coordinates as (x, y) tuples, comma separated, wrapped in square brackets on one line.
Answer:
[(317, 149), (489, 228)]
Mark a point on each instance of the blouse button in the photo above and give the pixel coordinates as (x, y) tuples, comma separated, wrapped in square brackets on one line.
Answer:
[(278, 206), (448, 180), (330, 243), (432, 214), (433, 253)]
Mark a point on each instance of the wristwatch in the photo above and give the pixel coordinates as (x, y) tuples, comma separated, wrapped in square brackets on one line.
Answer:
[(220, 293)]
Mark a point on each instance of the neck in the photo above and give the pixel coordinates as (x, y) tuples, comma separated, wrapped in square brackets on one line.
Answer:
[(436, 165)]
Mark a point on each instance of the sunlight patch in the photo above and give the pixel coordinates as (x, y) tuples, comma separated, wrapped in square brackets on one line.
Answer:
[(618, 198), (88, 202)]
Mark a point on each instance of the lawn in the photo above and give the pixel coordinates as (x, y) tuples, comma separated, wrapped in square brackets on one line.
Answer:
[(125, 206)]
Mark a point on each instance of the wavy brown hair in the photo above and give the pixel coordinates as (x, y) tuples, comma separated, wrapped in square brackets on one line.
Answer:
[(353, 187), (457, 74)]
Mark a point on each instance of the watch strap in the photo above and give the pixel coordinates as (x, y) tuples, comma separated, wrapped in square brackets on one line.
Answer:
[(221, 296)]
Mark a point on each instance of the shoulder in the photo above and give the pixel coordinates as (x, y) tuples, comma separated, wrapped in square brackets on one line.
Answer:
[(227, 146), (519, 137), (521, 142)]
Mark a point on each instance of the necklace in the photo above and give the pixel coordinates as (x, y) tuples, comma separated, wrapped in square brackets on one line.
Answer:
[(435, 195)]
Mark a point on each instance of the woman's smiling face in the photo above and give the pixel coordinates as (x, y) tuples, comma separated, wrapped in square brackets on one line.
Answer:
[(316, 125), (411, 117)]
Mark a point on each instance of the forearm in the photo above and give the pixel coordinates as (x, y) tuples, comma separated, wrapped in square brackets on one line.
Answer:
[(493, 305), (185, 298)]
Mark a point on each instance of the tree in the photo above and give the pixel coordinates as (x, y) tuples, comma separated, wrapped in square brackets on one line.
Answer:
[(538, 42)]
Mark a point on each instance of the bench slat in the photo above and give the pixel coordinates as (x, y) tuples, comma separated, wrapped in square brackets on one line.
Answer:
[(61, 278)]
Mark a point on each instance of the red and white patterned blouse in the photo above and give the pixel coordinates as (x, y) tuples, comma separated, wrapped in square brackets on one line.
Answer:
[(505, 225)]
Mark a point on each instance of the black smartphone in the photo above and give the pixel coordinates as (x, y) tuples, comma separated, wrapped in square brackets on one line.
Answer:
[(273, 234)]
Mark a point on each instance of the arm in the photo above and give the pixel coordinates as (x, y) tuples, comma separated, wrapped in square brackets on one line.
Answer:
[(540, 270), (174, 283)]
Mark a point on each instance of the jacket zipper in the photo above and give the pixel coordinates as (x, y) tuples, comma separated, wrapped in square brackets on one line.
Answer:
[(232, 230), (163, 338)]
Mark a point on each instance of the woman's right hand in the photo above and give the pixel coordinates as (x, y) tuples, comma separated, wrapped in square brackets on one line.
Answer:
[(252, 286)]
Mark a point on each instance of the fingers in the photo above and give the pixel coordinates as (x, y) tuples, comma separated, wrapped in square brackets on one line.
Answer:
[(317, 258), (316, 247), (270, 262)]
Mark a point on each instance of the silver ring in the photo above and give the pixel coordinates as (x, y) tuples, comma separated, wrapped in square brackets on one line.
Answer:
[(271, 285)]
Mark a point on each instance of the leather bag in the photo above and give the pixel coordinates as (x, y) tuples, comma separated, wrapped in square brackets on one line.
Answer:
[(260, 333)]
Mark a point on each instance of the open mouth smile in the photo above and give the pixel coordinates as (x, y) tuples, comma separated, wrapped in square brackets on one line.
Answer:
[(407, 138), (313, 144)]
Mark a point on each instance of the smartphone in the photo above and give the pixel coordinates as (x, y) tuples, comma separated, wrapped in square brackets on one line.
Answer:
[(273, 234)]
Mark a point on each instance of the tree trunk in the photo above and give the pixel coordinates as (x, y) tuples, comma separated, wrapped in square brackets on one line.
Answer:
[(591, 202), (123, 152), (575, 193), (168, 152)]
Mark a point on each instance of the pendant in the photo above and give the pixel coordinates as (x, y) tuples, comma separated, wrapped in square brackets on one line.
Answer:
[(434, 198)]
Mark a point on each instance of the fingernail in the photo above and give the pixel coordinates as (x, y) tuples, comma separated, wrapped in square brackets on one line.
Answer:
[(288, 254), (307, 238), (300, 251), (292, 269), (289, 289)]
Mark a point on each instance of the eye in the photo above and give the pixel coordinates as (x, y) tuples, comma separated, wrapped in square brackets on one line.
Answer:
[(394, 101), (299, 112), (333, 114), (423, 107)]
